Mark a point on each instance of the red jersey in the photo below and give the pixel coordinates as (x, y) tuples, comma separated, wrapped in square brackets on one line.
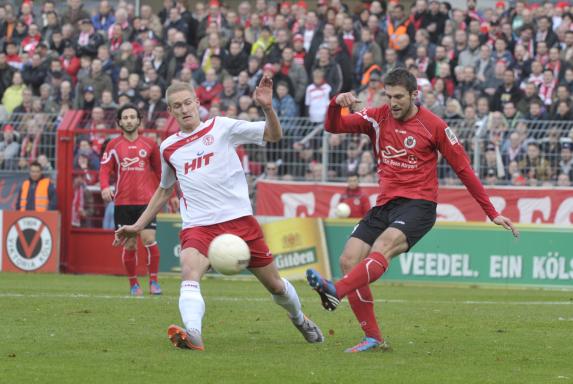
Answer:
[(357, 201), (137, 166), (406, 152)]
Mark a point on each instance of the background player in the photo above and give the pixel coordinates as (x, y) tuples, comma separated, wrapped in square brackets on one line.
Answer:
[(135, 161), (215, 200), (406, 140), (354, 197)]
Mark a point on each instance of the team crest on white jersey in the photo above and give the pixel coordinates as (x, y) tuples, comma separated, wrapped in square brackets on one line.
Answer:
[(208, 140), (410, 142), (451, 136), (142, 153)]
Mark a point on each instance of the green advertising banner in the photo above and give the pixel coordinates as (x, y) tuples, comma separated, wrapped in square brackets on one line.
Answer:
[(474, 253)]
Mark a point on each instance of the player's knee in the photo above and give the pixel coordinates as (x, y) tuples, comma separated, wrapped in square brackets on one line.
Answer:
[(347, 262), (276, 287)]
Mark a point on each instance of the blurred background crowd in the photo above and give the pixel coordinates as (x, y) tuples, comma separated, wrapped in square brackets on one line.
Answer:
[(500, 73)]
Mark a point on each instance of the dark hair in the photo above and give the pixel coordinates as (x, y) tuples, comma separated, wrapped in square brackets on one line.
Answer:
[(35, 163), (402, 77), (125, 107)]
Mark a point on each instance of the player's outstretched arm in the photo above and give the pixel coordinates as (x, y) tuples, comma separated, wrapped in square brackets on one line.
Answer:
[(352, 123), (507, 224), (159, 199), (264, 97)]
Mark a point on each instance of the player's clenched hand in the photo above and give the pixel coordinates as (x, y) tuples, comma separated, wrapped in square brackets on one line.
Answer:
[(264, 93), (507, 224), (124, 233), (107, 194), (346, 99)]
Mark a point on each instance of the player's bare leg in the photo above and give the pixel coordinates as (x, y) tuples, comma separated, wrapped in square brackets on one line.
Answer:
[(129, 260), (284, 294), (191, 303), (152, 249)]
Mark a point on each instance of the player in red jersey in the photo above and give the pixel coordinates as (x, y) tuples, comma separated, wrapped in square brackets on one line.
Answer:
[(135, 161), (406, 140), (354, 197)]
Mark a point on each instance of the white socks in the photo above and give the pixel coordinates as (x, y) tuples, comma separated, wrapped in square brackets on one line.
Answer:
[(289, 300), (191, 305)]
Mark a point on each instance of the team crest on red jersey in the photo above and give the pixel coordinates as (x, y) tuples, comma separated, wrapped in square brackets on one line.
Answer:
[(410, 142), (208, 140), (142, 153)]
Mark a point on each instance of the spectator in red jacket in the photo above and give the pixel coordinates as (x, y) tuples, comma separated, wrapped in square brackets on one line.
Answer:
[(210, 89), (355, 198)]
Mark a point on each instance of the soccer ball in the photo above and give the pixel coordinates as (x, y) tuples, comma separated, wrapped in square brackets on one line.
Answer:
[(229, 254), (342, 210)]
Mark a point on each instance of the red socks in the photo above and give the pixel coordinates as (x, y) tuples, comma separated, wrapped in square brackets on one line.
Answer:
[(152, 260), (362, 304), (368, 270), (129, 258)]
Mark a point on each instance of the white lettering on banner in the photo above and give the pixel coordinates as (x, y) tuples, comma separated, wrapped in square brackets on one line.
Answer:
[(449, 212), (563, 215), (521, 205), (505, 267), (292, 201), (498, 203), (436, 264), (177, 251), (552, 267), (527, 207)]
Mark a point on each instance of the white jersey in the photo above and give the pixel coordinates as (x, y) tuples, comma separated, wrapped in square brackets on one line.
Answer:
[(209, 171)]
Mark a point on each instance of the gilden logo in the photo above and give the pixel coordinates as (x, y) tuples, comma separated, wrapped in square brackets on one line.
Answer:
[(198, 162), (127, 162), (29, 243)]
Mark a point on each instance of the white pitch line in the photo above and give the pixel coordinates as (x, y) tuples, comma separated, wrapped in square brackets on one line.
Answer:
[(257, 299)]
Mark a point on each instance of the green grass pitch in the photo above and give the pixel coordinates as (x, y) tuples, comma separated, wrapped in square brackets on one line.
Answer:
[(84, 329)]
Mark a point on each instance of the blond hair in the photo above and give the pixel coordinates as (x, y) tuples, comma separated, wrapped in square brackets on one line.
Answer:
[(178, 87)]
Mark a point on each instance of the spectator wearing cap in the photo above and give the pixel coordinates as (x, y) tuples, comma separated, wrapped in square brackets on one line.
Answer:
[(9, 149), (551, 148), (534, 166), (492, 161), (86, 98), (104, 18), (371, 96), (6, 74), (88, 40), (214, 15), (13, 95), (566, 160)]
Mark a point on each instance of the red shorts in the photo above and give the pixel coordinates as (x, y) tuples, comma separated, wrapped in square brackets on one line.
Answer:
[(246, 227)]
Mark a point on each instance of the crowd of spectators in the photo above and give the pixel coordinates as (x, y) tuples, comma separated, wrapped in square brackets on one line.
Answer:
[(502, 76)]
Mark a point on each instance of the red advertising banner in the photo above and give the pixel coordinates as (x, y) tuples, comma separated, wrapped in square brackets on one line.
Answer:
[(30, 241), (522, 205)]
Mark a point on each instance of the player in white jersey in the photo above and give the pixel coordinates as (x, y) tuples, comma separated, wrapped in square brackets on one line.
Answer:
[(215, 200)]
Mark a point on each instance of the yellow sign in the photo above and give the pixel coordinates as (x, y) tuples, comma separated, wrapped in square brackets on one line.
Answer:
[(298, 244)]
